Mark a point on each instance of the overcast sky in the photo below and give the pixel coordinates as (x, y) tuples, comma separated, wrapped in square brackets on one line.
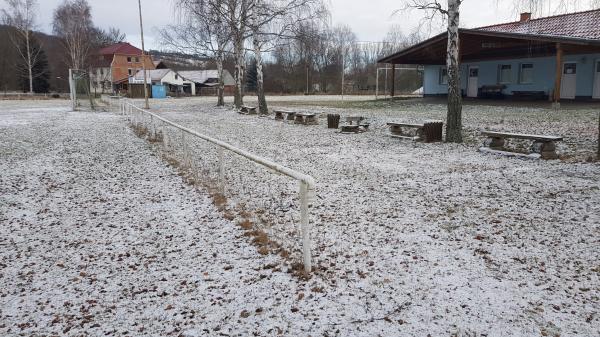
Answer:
[(370, 20)]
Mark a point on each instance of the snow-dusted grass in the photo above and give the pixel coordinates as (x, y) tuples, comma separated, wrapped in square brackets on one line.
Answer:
[(410, 239), (492, 245)]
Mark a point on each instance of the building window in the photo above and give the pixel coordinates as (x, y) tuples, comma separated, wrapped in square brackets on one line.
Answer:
[(443, 75), (570, 69), (504, 73), (128, 59), (526, 73), (130, 71), (136, 59), (176, 76)]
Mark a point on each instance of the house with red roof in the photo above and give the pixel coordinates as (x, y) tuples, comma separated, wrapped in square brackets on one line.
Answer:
[(112, 66), (556, 58)]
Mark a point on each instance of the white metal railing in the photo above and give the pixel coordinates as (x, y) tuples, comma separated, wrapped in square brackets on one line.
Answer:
[(306, 182)]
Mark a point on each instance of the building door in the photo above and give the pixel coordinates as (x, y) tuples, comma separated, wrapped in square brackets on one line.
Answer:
[(568, 84), (473, 82), (597, 80)]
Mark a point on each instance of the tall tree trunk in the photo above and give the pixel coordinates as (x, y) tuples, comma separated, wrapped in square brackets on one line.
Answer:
[(239, 71), (29, 63), (454, 122), (260, 87), (221, 87)]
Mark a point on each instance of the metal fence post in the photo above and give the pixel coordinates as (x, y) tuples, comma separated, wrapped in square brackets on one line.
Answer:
[(305, 227)]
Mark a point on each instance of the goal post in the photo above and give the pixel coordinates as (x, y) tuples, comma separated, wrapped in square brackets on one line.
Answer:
[(384, 74), (79, 88)]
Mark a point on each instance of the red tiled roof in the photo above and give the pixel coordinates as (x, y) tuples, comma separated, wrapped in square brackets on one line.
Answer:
[(583, 25), (122, 48)]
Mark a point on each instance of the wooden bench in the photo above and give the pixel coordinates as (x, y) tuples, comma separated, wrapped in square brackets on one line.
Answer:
[(305, 118), (248, 110), (349, 128), (430, 131), (290, 115), (535, 95), (359, 120), (492, 91), (543, 146)]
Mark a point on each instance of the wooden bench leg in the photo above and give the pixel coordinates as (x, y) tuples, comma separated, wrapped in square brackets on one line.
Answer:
[(419, 135), (396, 130), (494, 143), (546, 149), (279, 116)]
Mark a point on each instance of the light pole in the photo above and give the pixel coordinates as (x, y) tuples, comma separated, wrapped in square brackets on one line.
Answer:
[(146, 106)]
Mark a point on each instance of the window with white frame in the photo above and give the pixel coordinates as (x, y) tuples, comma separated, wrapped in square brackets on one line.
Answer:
[(504, 73), (526, 73), (443, 75)]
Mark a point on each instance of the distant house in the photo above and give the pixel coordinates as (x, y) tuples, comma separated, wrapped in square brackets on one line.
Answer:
[(113, 65), (555, 57), (160, 65), (175, 84), (207, 81)]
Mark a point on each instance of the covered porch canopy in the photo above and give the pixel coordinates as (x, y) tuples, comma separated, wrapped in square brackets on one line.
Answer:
[(480, 45)]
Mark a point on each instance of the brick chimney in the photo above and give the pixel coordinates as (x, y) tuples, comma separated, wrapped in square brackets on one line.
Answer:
[(525, 17)]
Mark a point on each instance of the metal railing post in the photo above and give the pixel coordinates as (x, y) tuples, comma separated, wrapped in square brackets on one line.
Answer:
[(185, 149), (221, 170), (305, 227)]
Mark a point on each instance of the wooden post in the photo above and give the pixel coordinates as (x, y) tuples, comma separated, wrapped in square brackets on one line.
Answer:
[(558, 78), (393, 88)]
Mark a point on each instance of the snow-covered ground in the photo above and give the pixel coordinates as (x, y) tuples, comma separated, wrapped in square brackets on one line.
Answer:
[(410, 239)]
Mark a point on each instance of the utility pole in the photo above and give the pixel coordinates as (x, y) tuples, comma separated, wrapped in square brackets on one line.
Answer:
[(343, 70), (146, 106), (307, 86)]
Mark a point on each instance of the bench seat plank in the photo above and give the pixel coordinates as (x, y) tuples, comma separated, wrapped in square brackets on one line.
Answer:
[(306, 114), (406, 125), (497, 134), (413, 138)]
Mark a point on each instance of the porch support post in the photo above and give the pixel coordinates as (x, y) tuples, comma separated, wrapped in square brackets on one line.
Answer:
[(558, 77), (393, 88)]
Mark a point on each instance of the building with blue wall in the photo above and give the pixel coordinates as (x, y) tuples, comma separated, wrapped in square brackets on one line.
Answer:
[(554, 57)]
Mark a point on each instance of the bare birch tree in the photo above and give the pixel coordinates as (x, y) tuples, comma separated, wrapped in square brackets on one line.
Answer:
[(201, 31), (73, 24), (273, 22), (450, 14), (235, 14), (21, 17)]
